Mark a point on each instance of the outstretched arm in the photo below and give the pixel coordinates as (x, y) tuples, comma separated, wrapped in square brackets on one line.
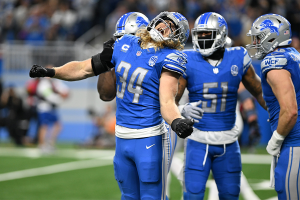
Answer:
[(252, 83), (107, 85), (78, 70), (75, 70)]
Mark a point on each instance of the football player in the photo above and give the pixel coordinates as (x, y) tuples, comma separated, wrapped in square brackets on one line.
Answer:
[(212, 78), (129, 23), (271, 39), (147, 70)]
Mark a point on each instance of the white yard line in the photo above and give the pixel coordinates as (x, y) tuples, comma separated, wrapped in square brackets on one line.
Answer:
[(66, 153), (83, 164)]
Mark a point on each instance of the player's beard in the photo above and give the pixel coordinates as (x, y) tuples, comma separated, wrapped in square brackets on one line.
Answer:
[(146, 39)]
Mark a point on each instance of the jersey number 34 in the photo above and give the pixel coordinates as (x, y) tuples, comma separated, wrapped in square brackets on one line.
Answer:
[(139, 74)]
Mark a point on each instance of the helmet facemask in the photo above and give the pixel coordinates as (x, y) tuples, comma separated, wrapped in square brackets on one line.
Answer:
[(160, 27), (167, 27), (207, 41)]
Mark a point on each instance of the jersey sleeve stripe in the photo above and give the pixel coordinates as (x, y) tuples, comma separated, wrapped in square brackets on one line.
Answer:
[(174, 68), (270, 68)]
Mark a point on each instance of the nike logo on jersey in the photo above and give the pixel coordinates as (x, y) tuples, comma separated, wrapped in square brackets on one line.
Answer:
[(149, 146)]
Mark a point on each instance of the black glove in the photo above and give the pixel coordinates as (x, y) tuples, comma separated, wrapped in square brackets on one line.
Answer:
[(39, 71), (182, 127), (106, 54)]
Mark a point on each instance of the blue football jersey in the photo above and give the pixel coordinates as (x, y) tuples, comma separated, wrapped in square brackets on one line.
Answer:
[(288, 59), (216, 86), (138, 72)]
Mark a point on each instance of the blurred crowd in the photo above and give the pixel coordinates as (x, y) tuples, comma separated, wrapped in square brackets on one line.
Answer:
[(61, 20)]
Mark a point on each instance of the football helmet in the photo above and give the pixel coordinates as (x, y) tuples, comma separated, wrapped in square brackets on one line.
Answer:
[(267, 33), (216, 30), (129, 23), (179, 34)]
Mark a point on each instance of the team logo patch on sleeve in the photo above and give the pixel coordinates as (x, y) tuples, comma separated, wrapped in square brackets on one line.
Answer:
[(152, 61), (234, 70)]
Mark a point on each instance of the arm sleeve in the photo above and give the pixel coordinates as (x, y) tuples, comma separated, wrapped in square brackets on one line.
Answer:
[(176, 62), (97, 65)]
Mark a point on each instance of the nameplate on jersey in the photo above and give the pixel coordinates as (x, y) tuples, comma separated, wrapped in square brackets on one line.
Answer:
[(125, 48), (234, 70), (273, 62), (152, 61)]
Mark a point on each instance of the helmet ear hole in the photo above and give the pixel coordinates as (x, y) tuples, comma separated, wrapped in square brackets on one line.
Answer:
[(271, 40)]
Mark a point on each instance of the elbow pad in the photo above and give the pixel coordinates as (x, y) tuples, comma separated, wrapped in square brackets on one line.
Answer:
[(97, 65)]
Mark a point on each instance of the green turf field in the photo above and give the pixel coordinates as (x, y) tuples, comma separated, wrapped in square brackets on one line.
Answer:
[(88, 175)]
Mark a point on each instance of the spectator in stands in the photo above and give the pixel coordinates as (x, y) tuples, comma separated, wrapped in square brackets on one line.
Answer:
[(85, 13), (36, 25), (64, 19)]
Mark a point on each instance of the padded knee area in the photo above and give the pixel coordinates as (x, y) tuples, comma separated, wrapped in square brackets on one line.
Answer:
[(190, 196)]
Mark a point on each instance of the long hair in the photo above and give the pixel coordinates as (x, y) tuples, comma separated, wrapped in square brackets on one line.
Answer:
[(146, 39)]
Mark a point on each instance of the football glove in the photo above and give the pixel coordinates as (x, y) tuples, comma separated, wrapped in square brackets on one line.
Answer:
[(39, 71), (192, 111), (106, 54), (274, 144), (182, 127)]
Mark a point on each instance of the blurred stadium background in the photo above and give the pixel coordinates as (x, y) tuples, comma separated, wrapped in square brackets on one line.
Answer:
[(58, 31)]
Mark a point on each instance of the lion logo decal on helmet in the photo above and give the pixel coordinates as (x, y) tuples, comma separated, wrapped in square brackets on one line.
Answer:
[(222, 22), (141, 21), (268, 24)]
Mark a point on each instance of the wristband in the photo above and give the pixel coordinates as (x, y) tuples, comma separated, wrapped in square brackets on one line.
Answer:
[(50, 72), (278, 136)]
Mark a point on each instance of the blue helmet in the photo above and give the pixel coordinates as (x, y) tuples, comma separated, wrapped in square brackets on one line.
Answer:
[(129, 23)]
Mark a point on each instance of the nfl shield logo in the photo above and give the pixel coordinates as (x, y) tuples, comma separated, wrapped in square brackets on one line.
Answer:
[(152, 61), (138, 53), (234, 70), (216, 70)]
